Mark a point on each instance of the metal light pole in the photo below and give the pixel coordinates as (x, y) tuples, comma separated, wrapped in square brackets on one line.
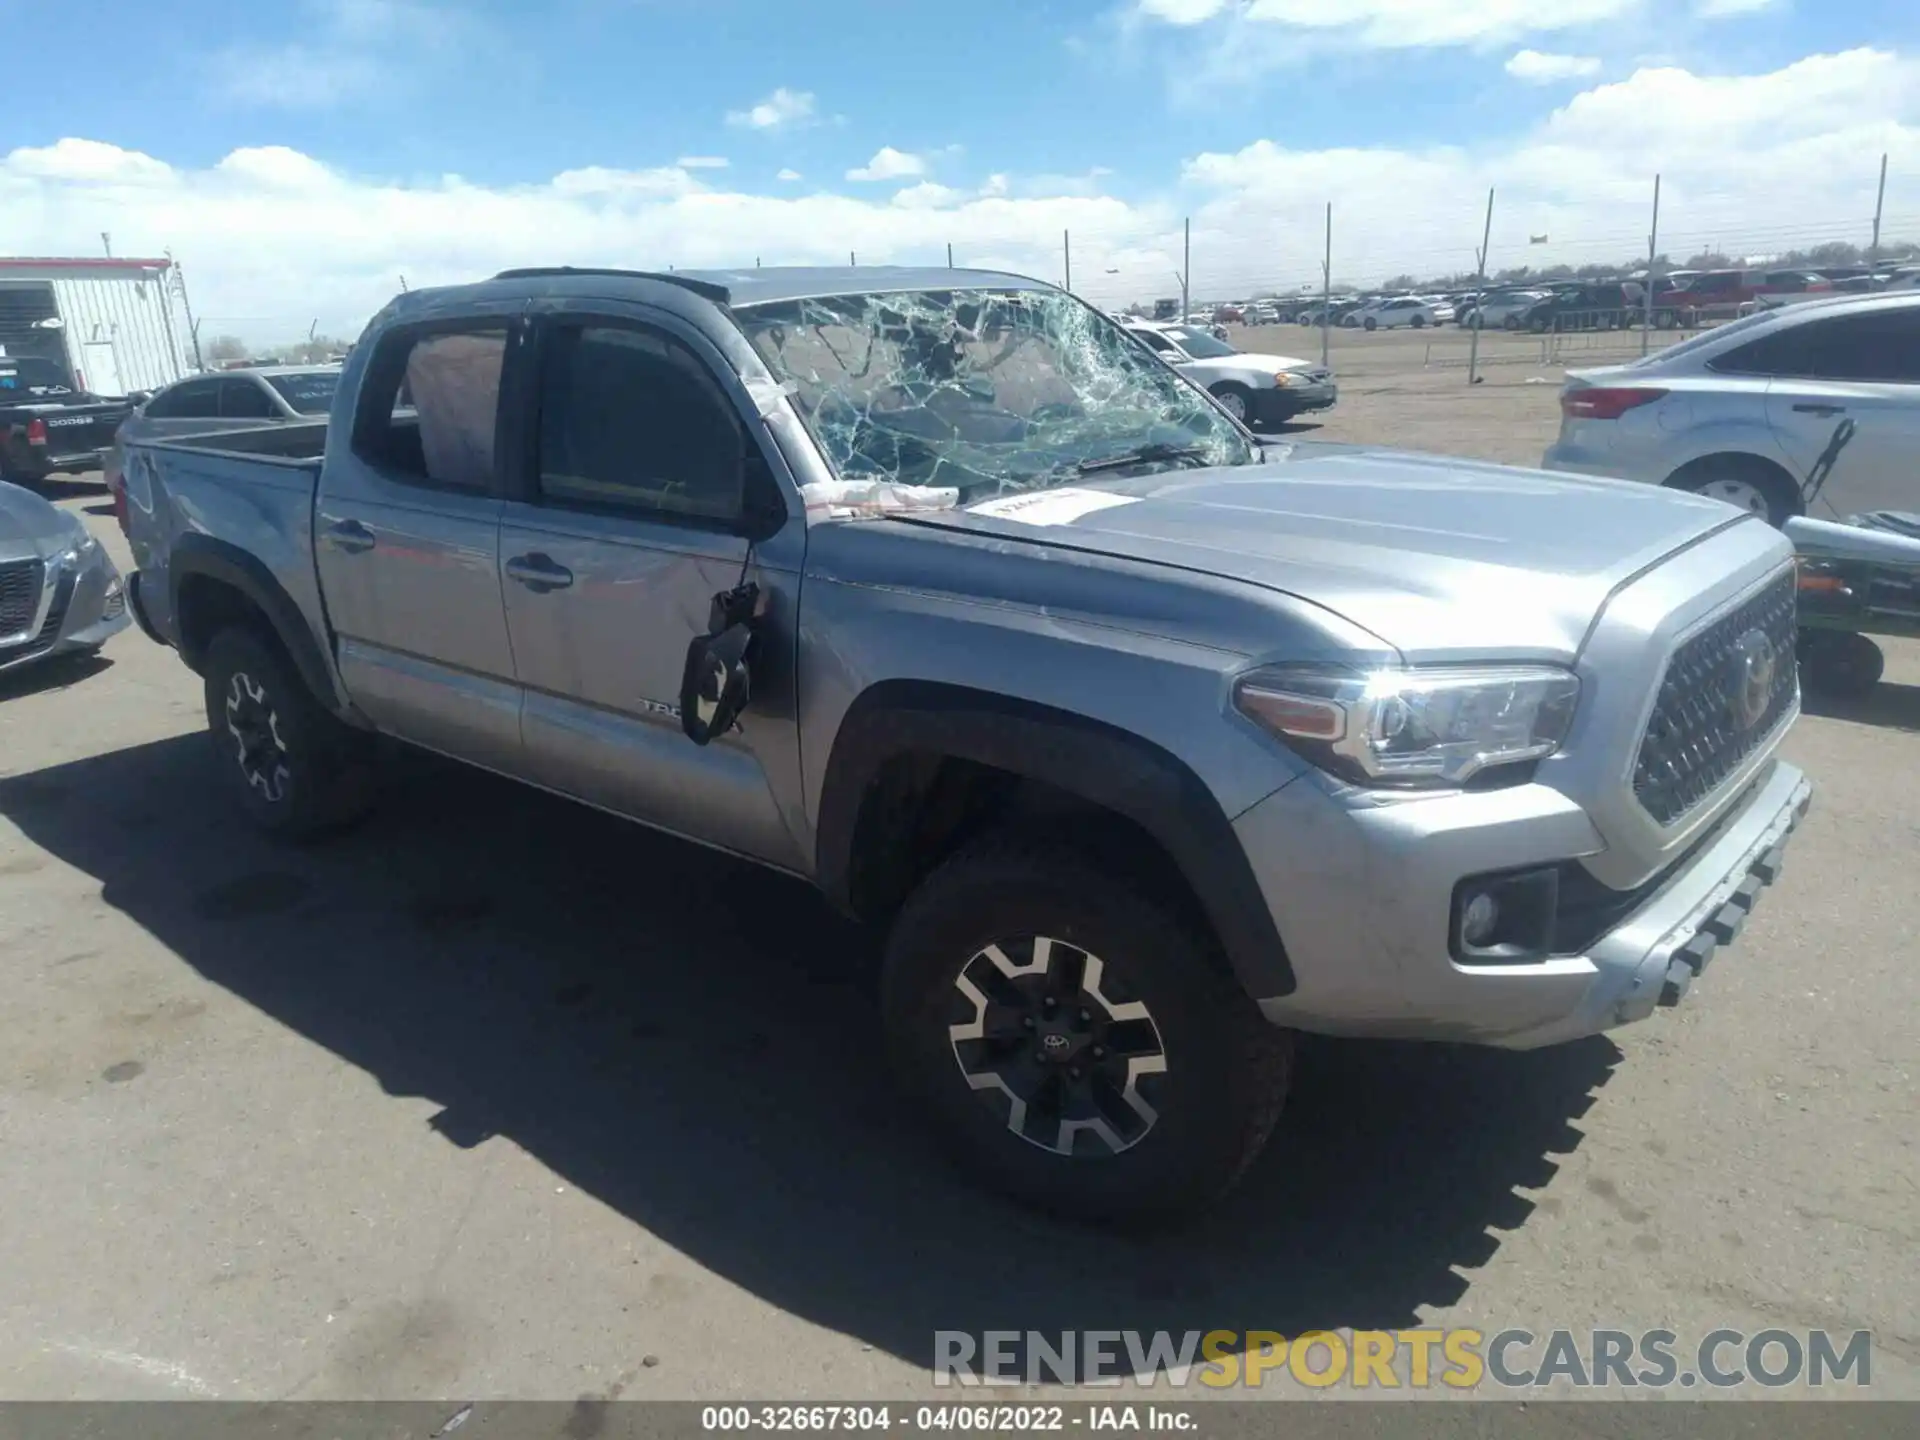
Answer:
[(1326, 294), (1480, 295), (1653, 249), (1066, 257), (1879, 201), (1186, 272)]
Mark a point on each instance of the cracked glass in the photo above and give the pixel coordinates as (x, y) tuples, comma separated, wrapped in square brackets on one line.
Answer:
[(980, 393)]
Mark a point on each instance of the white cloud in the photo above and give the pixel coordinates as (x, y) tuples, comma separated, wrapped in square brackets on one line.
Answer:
[(271, 237), (1538, 69), (1381, 24), (784, 109), (889, 164), (702, 162), (1720, 9), (788, 174)]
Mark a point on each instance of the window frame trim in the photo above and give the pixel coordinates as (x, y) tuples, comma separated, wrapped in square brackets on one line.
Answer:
[(210, 382), (1714, 364), (233, 384)]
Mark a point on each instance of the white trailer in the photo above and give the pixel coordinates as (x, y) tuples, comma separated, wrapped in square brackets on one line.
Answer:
[(116, 325)]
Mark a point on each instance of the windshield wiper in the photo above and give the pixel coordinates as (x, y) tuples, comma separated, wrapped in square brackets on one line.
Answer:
[(1157, 452)]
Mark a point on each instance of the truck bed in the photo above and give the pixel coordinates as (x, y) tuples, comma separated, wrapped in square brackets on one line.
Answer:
[(302, 442)]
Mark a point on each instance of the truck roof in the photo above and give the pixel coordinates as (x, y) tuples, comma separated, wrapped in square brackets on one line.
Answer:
[(773, 284)]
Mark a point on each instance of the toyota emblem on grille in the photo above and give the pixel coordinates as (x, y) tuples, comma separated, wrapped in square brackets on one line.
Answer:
[(1754, 663)]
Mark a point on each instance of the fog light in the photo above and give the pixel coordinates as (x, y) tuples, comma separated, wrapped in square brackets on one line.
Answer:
[(1505, 919), (1478, 919)]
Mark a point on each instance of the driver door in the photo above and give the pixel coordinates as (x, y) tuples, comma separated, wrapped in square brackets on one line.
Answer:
[(644, 491)]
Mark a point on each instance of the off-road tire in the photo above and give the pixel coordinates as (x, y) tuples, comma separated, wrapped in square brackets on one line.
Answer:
[(317, 774), (1227, 1068), (1840, 665)]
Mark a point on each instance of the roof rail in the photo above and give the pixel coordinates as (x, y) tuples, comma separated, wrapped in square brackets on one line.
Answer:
[(706, 290)]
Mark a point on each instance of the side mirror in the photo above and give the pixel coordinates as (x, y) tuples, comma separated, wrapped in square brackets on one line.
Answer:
[(716, 684), (140, 397)]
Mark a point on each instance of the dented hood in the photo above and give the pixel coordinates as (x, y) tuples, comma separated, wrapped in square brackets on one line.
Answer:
[(1441, 558)]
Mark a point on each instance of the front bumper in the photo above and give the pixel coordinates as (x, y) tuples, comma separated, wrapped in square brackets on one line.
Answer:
[(83, 604), (1280, 403), (1361, 891)]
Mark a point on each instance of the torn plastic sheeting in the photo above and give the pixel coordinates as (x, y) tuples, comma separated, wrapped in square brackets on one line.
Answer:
[(868, 499), (766, 394)]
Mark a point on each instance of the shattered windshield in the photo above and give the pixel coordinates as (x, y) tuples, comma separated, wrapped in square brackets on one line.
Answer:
[(984, 391)]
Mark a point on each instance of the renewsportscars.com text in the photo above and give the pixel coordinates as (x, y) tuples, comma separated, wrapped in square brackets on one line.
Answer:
[(1458, 1359)]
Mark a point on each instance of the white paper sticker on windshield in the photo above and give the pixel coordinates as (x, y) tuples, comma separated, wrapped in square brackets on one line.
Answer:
[(1050, 507)]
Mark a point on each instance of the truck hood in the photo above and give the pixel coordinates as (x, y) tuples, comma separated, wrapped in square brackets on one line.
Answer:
[(1442, 559)]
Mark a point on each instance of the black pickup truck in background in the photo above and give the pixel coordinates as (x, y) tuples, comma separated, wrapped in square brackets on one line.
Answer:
[(47, 427)]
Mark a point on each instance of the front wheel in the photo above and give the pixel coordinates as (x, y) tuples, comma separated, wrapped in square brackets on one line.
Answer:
[(1076, 1043), (1370, 323), (1839, 664), (292, 768), (1236, 400)]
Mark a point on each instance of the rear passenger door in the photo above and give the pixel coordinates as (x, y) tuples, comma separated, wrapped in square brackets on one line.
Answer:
[(407, 540), (644, 492)]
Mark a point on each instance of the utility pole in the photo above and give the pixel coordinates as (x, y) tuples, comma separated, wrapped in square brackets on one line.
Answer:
[(1066, 257), (106, 240), (403, 282), (1186, 272), (1880, 200), (949, 254), (1326, 294), (1653, 249), (1480, 292), (852, 259), (193, 325)]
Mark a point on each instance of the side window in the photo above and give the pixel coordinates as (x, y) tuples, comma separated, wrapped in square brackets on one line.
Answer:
[(1884, 346), (190, 400), (244, 400), (632, 420), (429, 404), (1154, 342)]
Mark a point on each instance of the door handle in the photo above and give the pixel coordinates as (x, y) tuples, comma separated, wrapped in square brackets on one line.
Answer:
[(1820, 409), (350, 536), (539, 573)]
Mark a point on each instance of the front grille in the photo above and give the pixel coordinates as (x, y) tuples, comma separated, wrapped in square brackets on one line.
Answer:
[(1722, 695), (20, 582), (49, 628)]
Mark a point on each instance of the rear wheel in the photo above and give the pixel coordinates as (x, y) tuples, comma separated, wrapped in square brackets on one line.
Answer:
[(292, 768), (1079, 1045), (1744, 481), (1419, 320), (1370, 323)]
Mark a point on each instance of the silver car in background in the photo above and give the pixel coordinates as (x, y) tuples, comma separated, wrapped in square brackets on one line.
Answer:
[(230, 400), (1741, 412), (60, 594)]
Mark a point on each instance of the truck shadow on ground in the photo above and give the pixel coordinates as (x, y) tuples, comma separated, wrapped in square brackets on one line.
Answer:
[(693, 1041), (1890, 705)]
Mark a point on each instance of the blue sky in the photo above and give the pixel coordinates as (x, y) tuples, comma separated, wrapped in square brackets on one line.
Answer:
[(506, 93), (339, 143)]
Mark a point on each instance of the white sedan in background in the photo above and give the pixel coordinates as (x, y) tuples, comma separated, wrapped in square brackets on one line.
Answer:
[(1743, 411), (1403, 311), (1255, 389)]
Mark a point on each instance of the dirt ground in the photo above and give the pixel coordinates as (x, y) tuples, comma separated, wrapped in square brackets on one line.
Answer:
[(497, 1096)]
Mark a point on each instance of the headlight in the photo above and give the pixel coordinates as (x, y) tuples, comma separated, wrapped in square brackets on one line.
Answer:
[(1284, 378), (80, 543), (1413, 728)]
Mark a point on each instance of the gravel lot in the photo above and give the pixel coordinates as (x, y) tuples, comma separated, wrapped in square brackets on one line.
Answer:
[(500, 1097)]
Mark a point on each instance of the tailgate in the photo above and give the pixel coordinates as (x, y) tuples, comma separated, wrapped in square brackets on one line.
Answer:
[(81, 429)]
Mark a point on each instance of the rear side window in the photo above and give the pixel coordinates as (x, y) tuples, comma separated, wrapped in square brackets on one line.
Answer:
[(631, 420), (1884, 346), (190, 400), (244, 400), (429, 407)]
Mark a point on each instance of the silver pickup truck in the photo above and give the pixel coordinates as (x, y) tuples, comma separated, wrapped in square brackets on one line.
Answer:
[(1150, 744)]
